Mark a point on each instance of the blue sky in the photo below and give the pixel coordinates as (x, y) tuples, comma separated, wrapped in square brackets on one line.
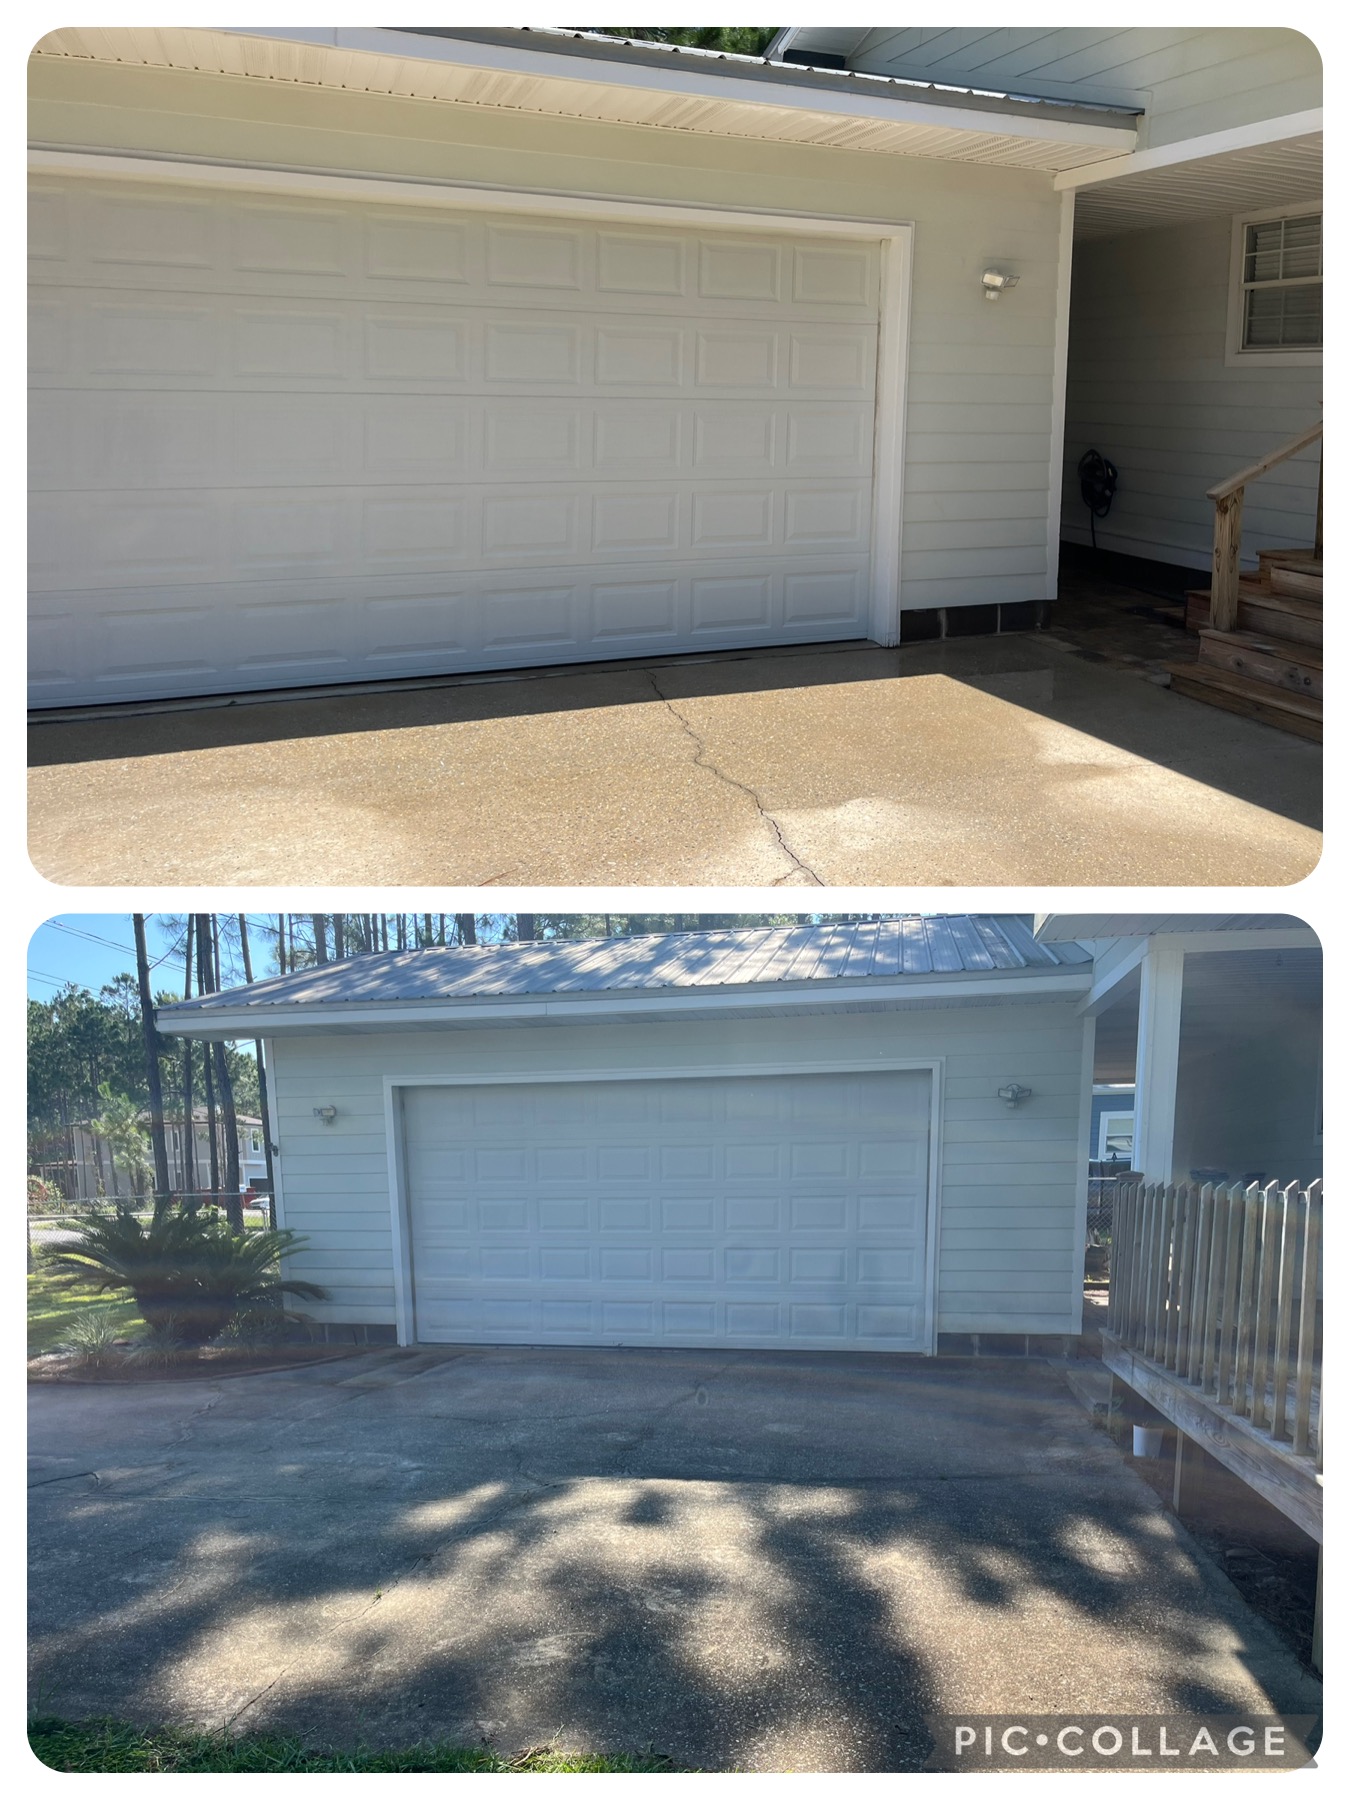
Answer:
[(92, 948)]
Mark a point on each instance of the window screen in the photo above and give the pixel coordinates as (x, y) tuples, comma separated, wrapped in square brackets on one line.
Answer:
[(1282, 283)]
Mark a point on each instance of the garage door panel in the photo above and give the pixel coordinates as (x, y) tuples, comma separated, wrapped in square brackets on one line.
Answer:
[(257, 418), (112, 440), (630, 1201), (114, 232)]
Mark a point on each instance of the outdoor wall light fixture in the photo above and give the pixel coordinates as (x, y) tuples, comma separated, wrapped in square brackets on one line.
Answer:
[(326, 1113), (1012, 1095), (996, 282)]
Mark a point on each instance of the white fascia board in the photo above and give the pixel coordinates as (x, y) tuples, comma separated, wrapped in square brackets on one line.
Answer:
[(1187, 150), (309, 1017), (510, 59)]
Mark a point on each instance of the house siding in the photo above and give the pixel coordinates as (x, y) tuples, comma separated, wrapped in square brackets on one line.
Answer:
[(1189, 82), (1149, 387), (978, 426), (1012, 1187)]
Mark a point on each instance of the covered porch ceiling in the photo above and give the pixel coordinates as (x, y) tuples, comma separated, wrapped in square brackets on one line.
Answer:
[(1228, 997), (1182, 183), (570, 75)]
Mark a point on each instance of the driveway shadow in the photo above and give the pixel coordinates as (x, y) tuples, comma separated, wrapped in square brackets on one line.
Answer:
[(794, 1573)]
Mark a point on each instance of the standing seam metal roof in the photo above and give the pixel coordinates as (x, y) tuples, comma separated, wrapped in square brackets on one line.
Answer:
[(913, 945)]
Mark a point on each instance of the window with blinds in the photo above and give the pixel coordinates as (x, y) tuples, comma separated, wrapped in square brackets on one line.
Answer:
[(1282, 283)]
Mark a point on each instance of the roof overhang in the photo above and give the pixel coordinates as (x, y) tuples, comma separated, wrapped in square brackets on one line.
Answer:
[(550, 74), (1219, 931), (218, 1019), (1269, 163)]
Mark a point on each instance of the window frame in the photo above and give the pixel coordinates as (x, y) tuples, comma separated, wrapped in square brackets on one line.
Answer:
[(1104, 1124), (1302, 357)]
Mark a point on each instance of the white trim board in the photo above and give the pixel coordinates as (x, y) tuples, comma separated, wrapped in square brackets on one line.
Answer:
[(1059, 390), (396, 1148), (896, 239)]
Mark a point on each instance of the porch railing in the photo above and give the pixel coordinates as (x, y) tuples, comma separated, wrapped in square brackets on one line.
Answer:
[(1228, 497), (1223, 1287)]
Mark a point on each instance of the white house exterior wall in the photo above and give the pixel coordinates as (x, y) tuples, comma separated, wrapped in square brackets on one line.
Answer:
[(977, 428), (1011, 1186), (1149, 387)]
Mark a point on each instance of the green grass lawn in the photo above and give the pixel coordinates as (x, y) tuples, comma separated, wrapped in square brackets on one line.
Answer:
[(108, 1746), (53, 1301)]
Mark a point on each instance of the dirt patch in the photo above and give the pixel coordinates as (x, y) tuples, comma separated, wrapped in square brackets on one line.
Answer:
[(209, 1364)]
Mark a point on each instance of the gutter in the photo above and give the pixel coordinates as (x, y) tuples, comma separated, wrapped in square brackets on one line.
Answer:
[(822, 92), (310, 1018)]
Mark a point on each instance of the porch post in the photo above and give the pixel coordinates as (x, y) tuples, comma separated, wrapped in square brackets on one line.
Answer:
[(1156, 1059)]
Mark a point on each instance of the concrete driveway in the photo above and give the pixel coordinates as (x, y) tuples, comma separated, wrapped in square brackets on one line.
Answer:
[(977, 762), (756, 1562)]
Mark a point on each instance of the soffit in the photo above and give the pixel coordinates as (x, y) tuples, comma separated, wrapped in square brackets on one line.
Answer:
[(1240, 180), (938, 125)]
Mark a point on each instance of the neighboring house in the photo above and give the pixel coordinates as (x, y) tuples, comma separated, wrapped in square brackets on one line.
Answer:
[(373, 353), (1112, 1134), (80, 1162), (867, 1137)]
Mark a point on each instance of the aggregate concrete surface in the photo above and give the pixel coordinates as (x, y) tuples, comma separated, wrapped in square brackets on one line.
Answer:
[(968, 762), (749, 1561)]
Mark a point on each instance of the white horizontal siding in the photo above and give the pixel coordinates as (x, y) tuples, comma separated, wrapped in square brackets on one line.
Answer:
[(980, 402), (1189, 81), (1149, 387), (1010, 1198)]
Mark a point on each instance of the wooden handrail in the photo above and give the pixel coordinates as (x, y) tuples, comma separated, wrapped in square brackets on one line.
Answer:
[(1240, 480), (1228, 497)]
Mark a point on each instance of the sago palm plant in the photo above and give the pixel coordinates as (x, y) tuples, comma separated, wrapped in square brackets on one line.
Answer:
[(188, 1273)]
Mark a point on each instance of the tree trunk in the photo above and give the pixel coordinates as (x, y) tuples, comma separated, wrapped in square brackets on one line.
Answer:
[(234, 1206), (524, 928), (320, 937), (208, 1076), (468, 928), (263, 1108), (191, 1180), (152, 1052), (339, 937)]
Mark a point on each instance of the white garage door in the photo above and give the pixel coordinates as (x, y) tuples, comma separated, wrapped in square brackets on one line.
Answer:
[(783, 1211), (282, 441)]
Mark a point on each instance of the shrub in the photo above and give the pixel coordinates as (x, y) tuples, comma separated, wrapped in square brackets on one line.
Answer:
[(189, 1274), (90, 1337), (43, 1196)]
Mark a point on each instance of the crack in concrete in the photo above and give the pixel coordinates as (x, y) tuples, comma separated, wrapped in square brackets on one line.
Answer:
[(702, 761)]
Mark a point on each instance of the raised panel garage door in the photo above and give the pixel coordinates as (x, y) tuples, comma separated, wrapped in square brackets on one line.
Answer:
[(281, 442), (785, 1211)]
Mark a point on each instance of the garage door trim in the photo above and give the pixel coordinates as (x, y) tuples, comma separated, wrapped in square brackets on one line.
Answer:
[(896, 265), (396, 1147)]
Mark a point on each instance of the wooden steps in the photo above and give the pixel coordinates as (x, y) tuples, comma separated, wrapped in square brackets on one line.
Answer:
[(1252, 698), (1292, 666), (1269, 666), (1268, 614)]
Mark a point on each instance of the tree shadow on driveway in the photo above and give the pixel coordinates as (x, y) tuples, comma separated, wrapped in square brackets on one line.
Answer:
[(795, 1571)]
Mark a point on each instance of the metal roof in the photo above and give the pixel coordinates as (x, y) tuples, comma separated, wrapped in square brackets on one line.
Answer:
[(974, 945)]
